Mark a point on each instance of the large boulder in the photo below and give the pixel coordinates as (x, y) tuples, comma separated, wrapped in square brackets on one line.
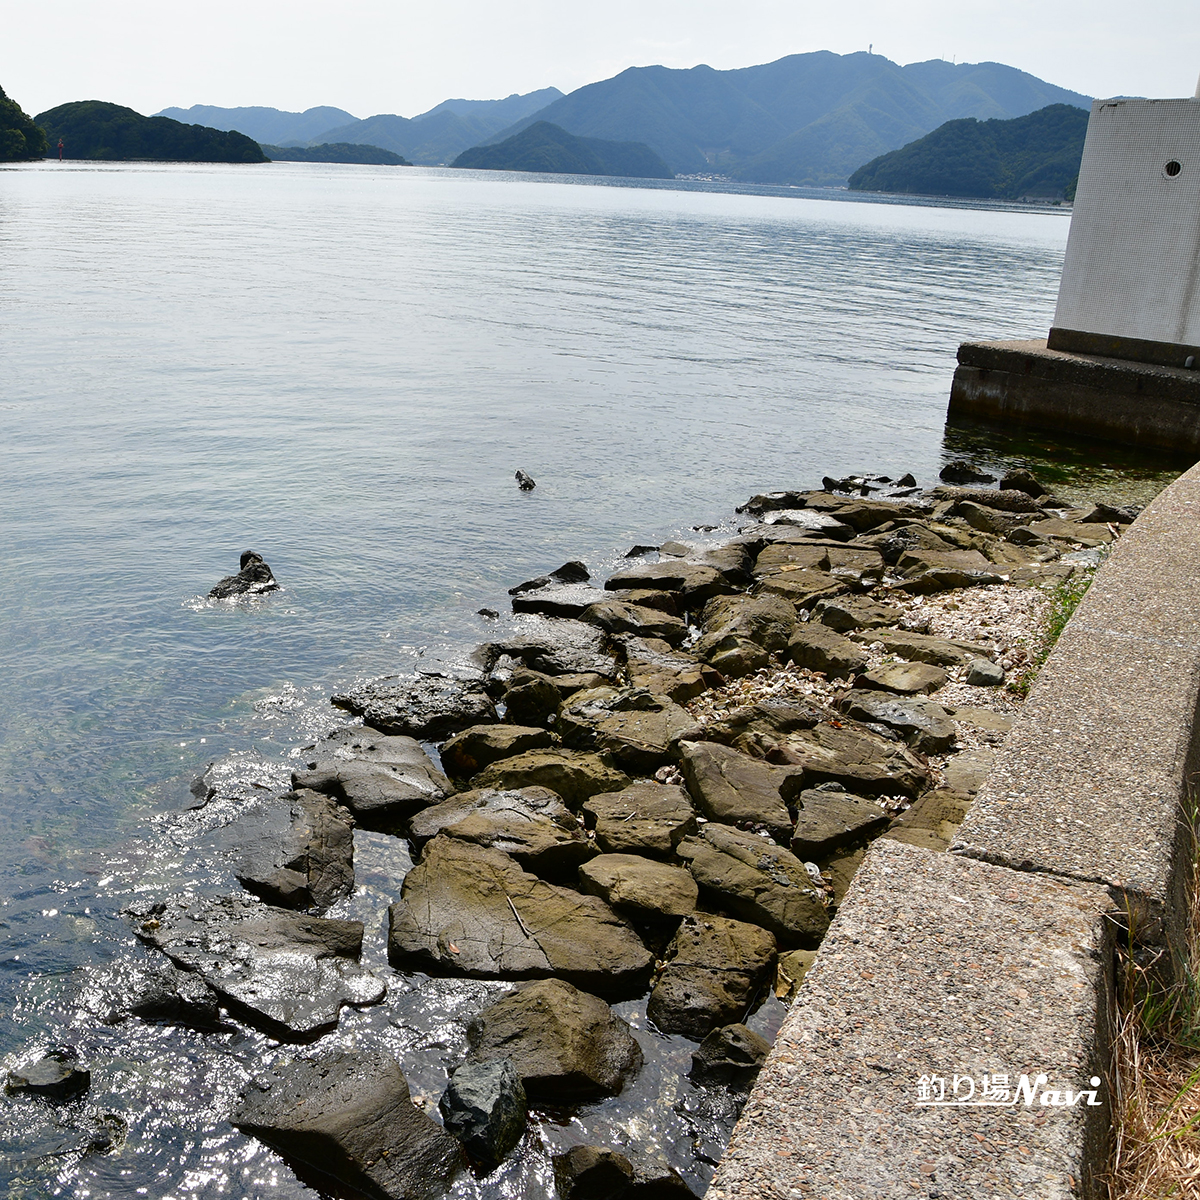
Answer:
[(427, 706), (655, 667), (553, 647), (576, 775), (532, 825), (566, 1045), (469, 910), (829, 819), (924, 724), (638, 729), (757, 880), (382, 789), (467, 753), (819, 648), (735, 789), (715, 969), (530, 698), (297, 851), (696, 582), (348, 1116), (618, 616), (639, 886), (861, 761), (288, 973), (644, 818), (485, 1107)]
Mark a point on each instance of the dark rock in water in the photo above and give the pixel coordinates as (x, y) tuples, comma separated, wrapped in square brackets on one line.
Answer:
[(566, 1045), (961, 472), (524, 482), (429, 706), (553, 646), (640, 730), (486, 1109), (639, 886), (827, 820), (734, 788), (530, 698), (639, 551), (925, 725), (1006, 500), (55, 1076), (906, 481), (382, 789), (253, 578), (289, 973), (571, 572), (490, 613), (716, 968), (820, 648), (467, 753), (758, 881), (155, 990), (297, 851), (1020, 480), (349, 1117), (532, 824), (731, 1054), (576, 775), (469, 910), (592, 1173), (646, 818)]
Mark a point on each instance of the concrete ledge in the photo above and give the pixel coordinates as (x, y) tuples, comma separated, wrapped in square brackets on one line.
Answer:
[(1091, 783), (1138, 403), (935, 965)]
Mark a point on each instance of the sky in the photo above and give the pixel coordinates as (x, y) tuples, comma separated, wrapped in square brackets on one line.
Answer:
[(369, 56)]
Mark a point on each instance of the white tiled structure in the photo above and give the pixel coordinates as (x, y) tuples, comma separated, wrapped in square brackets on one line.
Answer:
[(1132, 268)]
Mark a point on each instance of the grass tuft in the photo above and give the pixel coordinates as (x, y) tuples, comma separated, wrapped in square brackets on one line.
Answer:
[(1064, 600)]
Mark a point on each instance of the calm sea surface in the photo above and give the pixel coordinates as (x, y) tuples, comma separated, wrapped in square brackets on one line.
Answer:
[(342, 368)]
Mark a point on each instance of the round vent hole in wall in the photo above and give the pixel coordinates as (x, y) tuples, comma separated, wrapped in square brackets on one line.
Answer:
[(1172, 169)]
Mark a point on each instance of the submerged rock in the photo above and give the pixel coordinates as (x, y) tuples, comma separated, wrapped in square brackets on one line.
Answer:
[(348, 1116), (428, 706), (485, 1107), (566, 1045), (253, 578), (289, 973), (592, 1173), (57, 1075), (469, 910), (525, 482)]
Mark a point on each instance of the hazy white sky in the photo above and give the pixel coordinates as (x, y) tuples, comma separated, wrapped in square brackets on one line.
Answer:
[(371, 56)]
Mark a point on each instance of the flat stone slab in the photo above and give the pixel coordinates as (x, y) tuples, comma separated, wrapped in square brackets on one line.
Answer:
[(646, 818), (936, 967), (827, 820)]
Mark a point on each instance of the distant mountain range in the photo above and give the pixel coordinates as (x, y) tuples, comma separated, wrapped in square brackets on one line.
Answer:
[(546, 148), (430, 138), (805, 119), (1035, 156)]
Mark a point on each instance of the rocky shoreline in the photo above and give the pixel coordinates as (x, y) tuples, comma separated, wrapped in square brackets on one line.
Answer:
[(660, 789)]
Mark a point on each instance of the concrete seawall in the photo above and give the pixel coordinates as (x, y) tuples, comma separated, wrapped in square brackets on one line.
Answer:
[(986, 973)]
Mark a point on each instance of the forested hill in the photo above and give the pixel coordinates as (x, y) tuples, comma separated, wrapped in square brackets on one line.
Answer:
[(94, 129), (805, 119), (545, 147), (1035, 156), (336, 152), (20, 137)]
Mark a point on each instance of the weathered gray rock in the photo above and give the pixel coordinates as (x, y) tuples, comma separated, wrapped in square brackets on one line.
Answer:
[(485, 1107), (922, 647), (860, 564), (844, 613), (592, 1173), (296, 851), (1055, 529), (733, 788), (770, 718), (986, 719), (982, 672), (820, 648), (905, 678), (732, 1054), (988, 520), (828, 820), (734, 657), (789, 555), (924, 724), (530, 698), (966, 772), (656, 598), (566, 1045), (696, 582), (552, 647), (757, 880), (349, 1116), (381, 789), (869, 514), (292, 974), (639, 886), (467, 753), (655, 667), (617, 617), (768, 621), (859, 760), (716, 967), (638, 729), (556, 600), (732, 558), (645, 818), (428, 706), (57, 1075), (469, 910), (576, 775), (531, 824)]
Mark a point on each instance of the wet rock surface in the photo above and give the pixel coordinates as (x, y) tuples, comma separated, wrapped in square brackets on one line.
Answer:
[(485, 1107), (732, 1054), (350, 1118), (566, 1045), (253, 578), (58, 1075), (429, 706)]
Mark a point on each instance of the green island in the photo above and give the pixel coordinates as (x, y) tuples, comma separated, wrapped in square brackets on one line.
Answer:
[(93, 129), (20, 137), (337, 152), (1035, 157), (550, 149)]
